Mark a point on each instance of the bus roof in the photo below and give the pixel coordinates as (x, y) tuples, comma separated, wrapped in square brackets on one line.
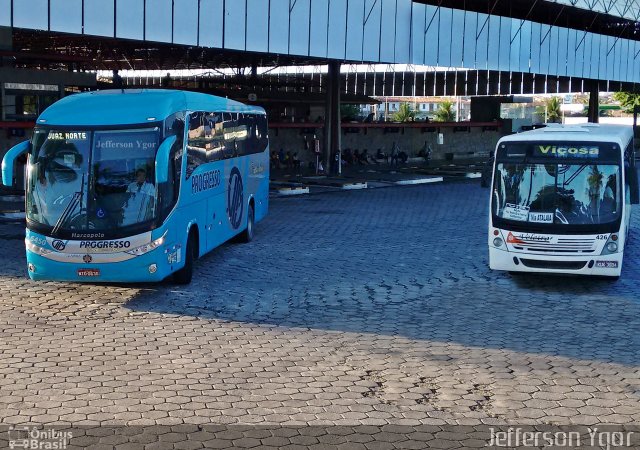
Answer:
[(587, 132), (133, 106)]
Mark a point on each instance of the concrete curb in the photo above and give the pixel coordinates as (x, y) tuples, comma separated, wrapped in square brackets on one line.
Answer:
[(12, 216), (12, 198), (353, 186), (293, 191), (420, 181), (311, 186)]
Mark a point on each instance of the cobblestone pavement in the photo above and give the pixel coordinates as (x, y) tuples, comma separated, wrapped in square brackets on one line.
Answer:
[(359, 308)]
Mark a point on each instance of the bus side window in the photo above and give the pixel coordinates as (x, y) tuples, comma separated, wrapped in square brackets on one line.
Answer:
[(174, 126), (196, 151), (214, 144), (243, 128), (168, 192), (253, 138), (262, 133), (256, 144), (176, 167), (628, 153), (229, 127)]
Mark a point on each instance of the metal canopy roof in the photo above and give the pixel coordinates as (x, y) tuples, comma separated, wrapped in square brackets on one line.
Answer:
[(629, 9), (50, 50), (617, 18), (565, 38)]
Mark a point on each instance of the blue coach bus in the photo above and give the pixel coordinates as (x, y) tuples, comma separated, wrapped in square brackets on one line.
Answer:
[(133, 186)]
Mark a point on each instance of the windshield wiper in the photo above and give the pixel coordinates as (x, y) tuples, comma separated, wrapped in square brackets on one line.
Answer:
[(75, 201), (575, 175)]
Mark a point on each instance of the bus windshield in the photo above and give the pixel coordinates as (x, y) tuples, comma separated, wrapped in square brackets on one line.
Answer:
[(92, 180), (556, 189)]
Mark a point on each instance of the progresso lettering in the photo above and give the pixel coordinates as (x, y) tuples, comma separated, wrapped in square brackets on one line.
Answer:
[(205, 181), (105, 244)]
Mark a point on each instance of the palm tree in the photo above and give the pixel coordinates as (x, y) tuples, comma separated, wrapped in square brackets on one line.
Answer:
[(532, 170), (405, 113), (552, 110), (594, 180), (445, 112)]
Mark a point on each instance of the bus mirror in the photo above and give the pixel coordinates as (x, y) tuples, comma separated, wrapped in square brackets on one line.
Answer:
[(162, 160), (8, 162), (634, 188)]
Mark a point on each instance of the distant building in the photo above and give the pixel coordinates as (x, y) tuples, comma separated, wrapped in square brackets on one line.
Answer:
[(425, 107)]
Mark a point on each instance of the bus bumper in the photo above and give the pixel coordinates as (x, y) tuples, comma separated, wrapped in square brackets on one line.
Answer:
[(136, 270), (605, 265)]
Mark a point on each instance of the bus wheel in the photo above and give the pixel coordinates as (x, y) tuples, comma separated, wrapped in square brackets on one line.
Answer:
[(184, 275), (247, 235)]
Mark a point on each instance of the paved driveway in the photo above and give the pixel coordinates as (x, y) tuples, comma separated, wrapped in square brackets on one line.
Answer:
[(370, 307)]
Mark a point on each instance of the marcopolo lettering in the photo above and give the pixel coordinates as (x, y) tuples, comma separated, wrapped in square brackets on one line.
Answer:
[(105, 244), (568, 150), (205, 181), (87, 235)]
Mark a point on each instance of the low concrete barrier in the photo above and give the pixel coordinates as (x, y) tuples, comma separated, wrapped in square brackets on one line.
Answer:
[(420, 181), (293, 190)]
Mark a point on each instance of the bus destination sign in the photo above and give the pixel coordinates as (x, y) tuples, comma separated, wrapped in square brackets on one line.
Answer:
[(567, 151)]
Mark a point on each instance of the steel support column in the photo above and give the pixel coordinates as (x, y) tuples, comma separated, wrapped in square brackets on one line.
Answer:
[(332, 135), (6, 43), (327, 124), (3, 113), (594, 102)]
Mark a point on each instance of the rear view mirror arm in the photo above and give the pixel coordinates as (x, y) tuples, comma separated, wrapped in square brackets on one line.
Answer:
[(8, 162), (162, 160)]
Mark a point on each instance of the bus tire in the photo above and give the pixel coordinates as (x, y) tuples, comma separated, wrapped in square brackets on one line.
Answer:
[(184, 275), (247, 235)]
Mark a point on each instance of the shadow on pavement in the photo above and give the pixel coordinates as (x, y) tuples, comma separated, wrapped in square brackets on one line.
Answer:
[(406, 262)]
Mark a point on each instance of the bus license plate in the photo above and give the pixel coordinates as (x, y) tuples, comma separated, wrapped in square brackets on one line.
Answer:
[(607, 264), (88, 272)]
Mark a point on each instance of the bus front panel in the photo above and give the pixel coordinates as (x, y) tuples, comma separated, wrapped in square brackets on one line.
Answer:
[(558, 207)]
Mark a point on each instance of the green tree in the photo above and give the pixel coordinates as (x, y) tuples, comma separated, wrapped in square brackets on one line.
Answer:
[(552, 110), (349, 112), (445, 112), (594, 180), (405, 113), (628, 100)]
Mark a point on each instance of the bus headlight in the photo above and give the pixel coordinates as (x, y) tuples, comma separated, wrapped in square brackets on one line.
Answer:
[(33, 248), (497, 242), (611, 246), (146, 248)]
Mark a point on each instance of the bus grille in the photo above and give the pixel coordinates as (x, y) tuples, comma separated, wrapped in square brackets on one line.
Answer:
[(564, 245), (558, 265)]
